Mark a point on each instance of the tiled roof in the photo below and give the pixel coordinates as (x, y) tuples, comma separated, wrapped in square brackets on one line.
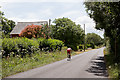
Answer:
[(21, 25)]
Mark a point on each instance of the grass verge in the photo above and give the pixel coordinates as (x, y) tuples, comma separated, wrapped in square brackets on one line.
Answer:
[(112, 66), (17, 64), (0, 66)]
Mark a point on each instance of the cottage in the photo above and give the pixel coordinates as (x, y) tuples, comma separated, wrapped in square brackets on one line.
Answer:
[(21, 25)]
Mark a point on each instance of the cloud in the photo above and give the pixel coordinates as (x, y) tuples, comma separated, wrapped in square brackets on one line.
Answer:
[(89, 25), (70, 14), (12, 1), (22, 12), (73, 14), (83, 20), (47, 12)]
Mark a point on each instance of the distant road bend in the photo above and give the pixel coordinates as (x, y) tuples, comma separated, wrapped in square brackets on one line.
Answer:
[(86, 65)]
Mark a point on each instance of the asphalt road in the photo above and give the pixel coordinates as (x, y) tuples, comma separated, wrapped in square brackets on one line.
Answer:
[(86, 65)]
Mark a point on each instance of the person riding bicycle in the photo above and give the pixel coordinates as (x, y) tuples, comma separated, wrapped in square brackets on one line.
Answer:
[(69, 53)]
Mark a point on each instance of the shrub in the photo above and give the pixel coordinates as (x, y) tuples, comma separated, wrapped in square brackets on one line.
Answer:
[(18, 46), (25, 46), (50, 44), (32, 31), (55, 44)]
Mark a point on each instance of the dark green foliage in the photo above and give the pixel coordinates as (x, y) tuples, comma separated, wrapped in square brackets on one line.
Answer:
[(91, 45), (107, 17), (67, 31), (94, 39), (7, 25), (81, 47)]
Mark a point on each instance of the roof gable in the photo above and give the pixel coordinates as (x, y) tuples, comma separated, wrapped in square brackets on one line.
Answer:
[(21, 25)]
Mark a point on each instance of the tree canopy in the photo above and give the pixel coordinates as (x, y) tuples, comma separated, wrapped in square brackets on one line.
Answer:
[(67, 31), (107, 17), (92, 38), (35, 31), (7, 25)]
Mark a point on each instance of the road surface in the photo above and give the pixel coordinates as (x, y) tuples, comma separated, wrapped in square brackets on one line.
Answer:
[(86, 65)]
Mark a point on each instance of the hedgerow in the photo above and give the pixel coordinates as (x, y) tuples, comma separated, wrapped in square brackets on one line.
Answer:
[(24, 46), (50, 44)]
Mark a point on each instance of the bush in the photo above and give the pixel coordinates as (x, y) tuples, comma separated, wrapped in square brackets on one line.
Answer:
[(18, 46), (32, 31), (25, 46), (50, 44)]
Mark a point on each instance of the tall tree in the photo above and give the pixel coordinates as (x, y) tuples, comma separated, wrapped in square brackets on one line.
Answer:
[(107, 17), (92, 38), (7, 25), (67, 31)]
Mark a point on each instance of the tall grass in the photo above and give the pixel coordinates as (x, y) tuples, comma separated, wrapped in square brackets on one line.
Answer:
[(14, 65), (112, 66)]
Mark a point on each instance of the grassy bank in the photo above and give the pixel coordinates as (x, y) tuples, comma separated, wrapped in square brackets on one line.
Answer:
[(17, 64), (14, 65), (112, 66), (0, 66)]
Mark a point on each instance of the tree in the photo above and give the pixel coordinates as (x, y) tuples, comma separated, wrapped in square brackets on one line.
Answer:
[(30, 31), (46, 30), (92, 38), (67, 31), (107, 17), (7, 25)]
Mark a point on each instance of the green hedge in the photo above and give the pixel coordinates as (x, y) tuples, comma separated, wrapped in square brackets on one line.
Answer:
[(50, 44), (18, 46), (24, 46)]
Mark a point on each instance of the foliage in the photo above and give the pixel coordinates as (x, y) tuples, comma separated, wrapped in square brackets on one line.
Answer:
[(35, 31), (46, 31), (24, 46), (112, 67), (67, 31), (17, 64), (18, 46), (91, 45), (50, 44), (13, 65), (81, 47), (106, 15), (7, 25), (93, 39), (32, 31)]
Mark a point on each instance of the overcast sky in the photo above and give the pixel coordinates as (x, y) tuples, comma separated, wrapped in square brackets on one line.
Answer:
[(37, 10)]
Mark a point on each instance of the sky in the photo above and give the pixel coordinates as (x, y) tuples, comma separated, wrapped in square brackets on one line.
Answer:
[(38, 10)]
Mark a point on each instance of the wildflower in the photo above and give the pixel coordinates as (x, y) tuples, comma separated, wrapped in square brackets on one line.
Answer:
[(109, 66)]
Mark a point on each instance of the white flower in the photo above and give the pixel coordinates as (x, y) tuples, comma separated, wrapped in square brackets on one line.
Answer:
[(109, 66)]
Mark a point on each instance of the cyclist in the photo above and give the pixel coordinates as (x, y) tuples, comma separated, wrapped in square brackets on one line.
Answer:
[(69, 53)]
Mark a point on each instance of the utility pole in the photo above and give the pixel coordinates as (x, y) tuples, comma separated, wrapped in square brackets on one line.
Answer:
[(49, 28), (84, 37), (49, 22)]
